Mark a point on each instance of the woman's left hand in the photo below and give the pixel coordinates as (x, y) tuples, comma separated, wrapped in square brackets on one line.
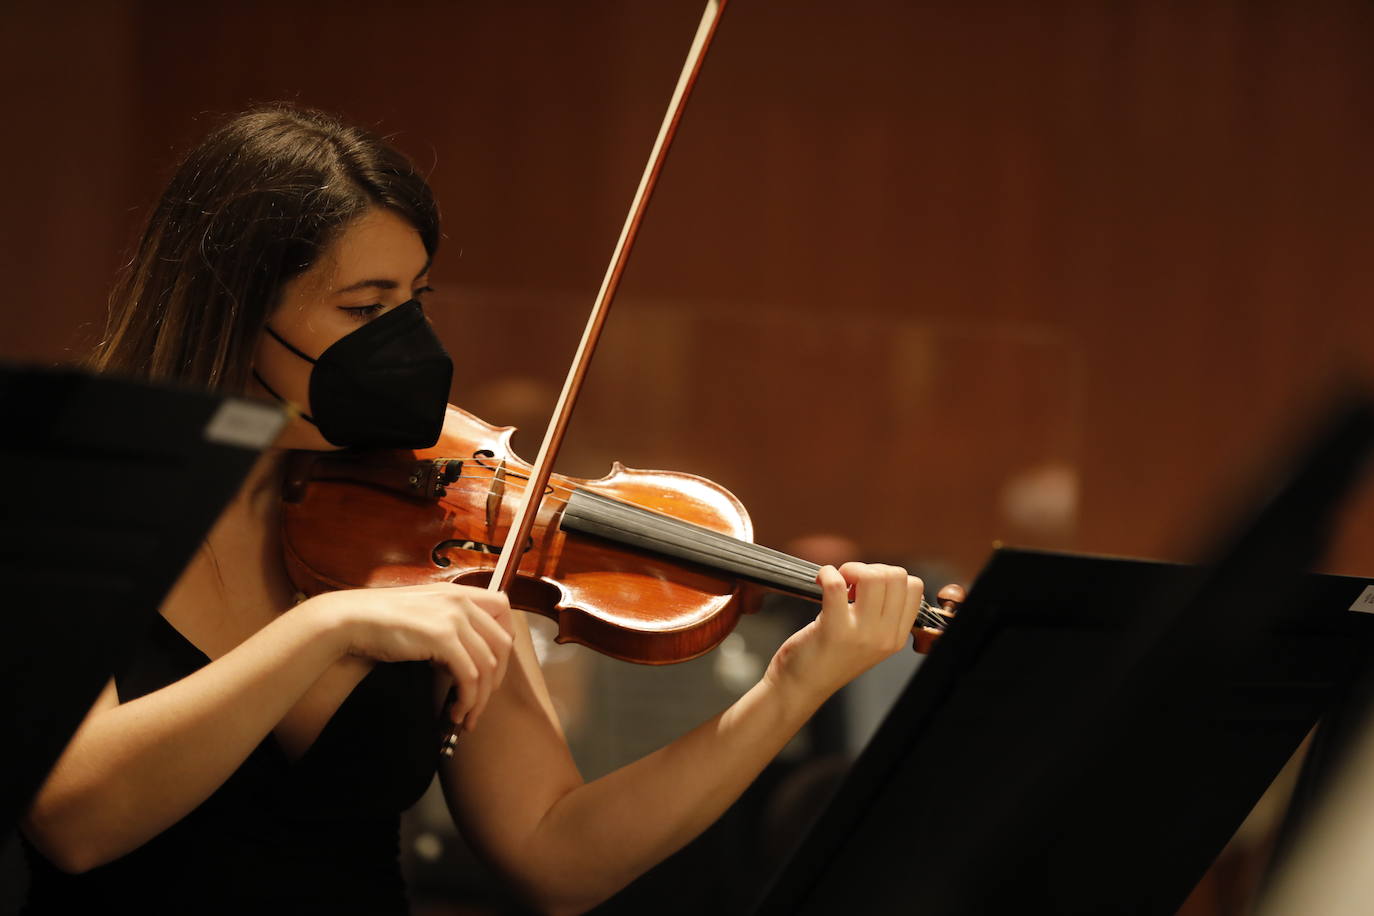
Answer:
[(867, 612)]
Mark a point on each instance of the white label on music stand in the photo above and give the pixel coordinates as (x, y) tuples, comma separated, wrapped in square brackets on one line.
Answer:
[(1365, 603), (244, 424)]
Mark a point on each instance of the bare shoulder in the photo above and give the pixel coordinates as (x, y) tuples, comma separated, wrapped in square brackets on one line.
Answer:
[(225, 595)]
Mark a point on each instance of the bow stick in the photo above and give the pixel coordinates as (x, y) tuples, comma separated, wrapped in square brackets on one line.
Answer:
[(526, 511)]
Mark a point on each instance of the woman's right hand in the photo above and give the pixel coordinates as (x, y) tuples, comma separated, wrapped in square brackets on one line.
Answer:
[(463, 630)]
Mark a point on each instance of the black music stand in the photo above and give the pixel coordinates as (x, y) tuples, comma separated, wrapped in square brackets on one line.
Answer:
[(1091, 731), (108, 488)]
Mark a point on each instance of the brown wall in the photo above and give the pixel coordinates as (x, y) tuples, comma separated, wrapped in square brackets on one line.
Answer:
[(902, 259)]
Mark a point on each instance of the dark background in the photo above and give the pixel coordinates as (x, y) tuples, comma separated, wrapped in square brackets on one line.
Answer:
[(924, 276)]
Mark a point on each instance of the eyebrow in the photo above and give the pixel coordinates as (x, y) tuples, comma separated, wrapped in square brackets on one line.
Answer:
[(381, 284)]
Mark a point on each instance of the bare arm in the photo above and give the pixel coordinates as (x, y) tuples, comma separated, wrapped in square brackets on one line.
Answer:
[(134, 769), (568, 844)]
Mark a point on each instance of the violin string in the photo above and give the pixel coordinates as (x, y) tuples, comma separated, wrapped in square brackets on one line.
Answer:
[(736, 552), (748, 554), (727, 547), (712, 543), (740, 553), (782, 562), (736, 548)]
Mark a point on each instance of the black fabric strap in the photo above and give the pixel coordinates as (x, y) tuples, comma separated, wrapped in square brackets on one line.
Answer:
[(272, 391), (282, 340)]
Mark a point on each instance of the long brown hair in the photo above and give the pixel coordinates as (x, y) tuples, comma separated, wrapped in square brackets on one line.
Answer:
[(251, 207)]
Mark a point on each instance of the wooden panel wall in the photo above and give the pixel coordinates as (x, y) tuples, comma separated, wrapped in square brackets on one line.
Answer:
[(927, 276)]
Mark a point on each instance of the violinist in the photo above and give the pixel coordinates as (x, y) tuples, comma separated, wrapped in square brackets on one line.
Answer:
[(257, 750)]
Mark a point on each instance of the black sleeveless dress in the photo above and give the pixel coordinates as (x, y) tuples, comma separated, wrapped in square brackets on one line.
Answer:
[(319, 834)]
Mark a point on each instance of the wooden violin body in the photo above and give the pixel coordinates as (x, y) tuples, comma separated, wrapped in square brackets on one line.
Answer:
[(405, 518), (652, 567)]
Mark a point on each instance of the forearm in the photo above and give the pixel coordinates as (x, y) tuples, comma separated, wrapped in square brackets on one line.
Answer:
[(516, 793), (602, 835), (134, 769)]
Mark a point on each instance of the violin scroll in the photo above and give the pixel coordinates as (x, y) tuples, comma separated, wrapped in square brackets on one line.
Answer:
[(930, 625)]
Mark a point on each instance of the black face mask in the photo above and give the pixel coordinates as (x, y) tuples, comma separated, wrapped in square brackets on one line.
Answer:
[(384, 385)]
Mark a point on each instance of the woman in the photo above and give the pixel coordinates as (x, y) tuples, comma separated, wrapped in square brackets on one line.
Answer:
[(255, 752)]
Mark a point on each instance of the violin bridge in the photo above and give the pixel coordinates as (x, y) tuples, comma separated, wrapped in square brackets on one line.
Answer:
[(495, 494)]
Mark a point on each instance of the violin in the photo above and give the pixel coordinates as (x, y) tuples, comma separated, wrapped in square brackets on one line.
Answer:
[(654, 567)]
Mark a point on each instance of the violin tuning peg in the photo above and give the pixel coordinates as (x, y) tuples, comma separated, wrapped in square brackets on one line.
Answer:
[(950, 597), (922, 638)]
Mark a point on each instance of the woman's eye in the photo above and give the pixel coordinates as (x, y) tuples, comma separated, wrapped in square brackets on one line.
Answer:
[(362, 312), (422, 290)]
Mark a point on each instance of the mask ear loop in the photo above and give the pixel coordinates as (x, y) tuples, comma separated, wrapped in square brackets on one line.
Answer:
[(272, 391)]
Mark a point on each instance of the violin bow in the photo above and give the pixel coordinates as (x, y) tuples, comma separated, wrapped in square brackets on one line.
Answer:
[(508, 561)]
